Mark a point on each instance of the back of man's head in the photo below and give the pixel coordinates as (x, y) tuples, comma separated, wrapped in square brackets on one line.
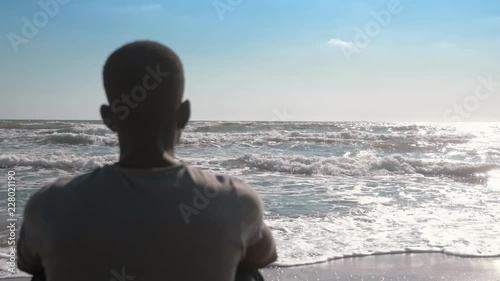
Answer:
[(144, 83)]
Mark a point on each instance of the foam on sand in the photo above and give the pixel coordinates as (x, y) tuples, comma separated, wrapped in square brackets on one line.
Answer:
[(393, 267)]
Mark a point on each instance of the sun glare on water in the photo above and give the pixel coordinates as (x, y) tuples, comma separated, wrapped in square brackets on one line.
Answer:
[(494, 179)]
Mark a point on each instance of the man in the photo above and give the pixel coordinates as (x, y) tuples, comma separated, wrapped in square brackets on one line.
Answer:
[(147, 217)]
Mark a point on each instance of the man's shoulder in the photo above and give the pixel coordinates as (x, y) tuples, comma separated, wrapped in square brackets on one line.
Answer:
[(61, 187), (241, 191), (203, 178), (66, 183)]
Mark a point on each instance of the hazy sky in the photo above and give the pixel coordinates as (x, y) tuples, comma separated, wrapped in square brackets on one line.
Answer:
[(420, 60)]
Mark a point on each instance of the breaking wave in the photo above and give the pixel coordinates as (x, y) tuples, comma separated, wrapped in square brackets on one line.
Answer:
[(284, 137), (79, 139), (63, 162), (360, 166)]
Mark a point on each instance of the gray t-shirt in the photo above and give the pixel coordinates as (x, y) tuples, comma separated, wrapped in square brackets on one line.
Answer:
[(177, 223)]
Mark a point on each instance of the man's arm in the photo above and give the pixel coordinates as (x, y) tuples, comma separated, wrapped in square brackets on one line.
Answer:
[(260, 249), (29, 243), (262, 253)]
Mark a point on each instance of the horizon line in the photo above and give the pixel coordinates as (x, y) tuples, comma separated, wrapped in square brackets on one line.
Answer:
[(270, 121)]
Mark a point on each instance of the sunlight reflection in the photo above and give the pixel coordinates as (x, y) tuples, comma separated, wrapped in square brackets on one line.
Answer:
[(494, 179)]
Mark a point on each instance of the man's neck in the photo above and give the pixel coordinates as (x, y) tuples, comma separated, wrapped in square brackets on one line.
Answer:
[(146, 158)]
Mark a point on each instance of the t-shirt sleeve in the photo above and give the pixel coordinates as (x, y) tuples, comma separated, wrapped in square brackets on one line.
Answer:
[(29, 242), (251, 214)]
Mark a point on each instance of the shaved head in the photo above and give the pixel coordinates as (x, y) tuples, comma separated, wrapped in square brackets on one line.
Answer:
[(144, 82)]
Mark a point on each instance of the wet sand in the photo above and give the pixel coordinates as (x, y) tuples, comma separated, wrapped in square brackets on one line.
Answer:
[(394, 267), (387, 267)]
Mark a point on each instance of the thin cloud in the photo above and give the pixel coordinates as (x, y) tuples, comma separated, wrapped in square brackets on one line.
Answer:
[(444, 45), (154, 7), (340, 43)]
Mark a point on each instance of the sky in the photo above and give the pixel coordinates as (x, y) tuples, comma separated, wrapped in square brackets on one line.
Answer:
[(263, 60)]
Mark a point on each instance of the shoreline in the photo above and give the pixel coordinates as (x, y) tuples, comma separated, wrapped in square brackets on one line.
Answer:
[(389, 253), (398, 266)]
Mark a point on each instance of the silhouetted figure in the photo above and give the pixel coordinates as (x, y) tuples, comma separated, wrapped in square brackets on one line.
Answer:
[(147, 217)]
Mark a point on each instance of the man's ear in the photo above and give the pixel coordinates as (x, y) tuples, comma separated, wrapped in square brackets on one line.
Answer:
[(183, 114), (107, 117)]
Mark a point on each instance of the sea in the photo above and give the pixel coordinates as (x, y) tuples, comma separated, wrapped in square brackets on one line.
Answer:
[(331, 189)]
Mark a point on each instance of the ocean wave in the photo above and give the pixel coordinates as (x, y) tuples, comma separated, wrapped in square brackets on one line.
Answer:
[(63, 162), (383, 142), (87, 128), (78, 139), (408, 137), (350, 137), (45, 136), (220, 126), (33, 125), (359, 166), (300, 165)]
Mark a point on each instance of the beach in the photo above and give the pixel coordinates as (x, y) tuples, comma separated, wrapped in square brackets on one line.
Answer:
[(414, 267), (178, 140)]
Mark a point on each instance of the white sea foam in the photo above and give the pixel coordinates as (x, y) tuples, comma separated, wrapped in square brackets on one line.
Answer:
[(360, 166), (64, 162), (273, 136), (382, 230), (332, 166), (79, 139)]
